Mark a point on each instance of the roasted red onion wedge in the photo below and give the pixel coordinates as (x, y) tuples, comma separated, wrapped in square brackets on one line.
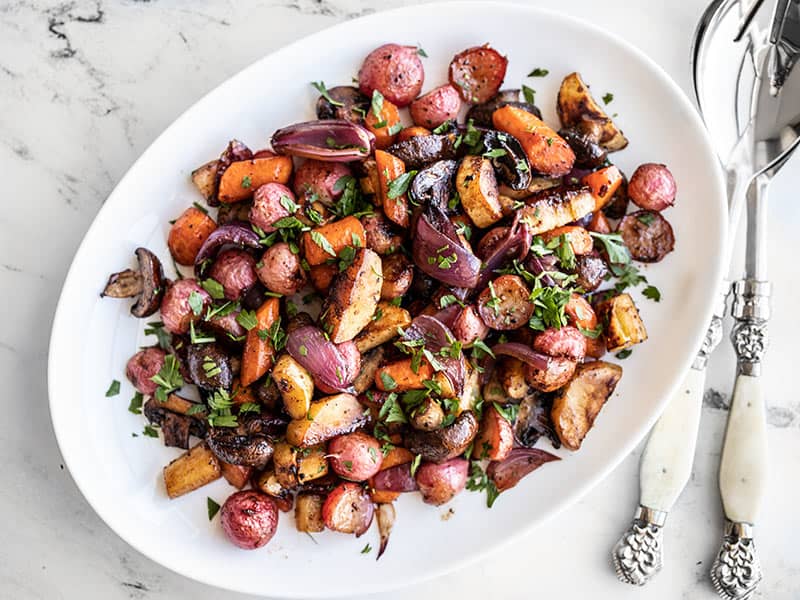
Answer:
[(386, 516), (524, 353), (435, 336), (236, 234), (516, 244), (332, 140), (507, 473), (439, 252), (331, 365), (395, 479)]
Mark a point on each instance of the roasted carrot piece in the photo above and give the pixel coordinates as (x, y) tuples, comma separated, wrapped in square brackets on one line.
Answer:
[(603, 183), (322, 275), (236, 475), (577, 237), (599, 223), (580, 313), (242, 394), (399, 376), (409, 132), (244, 177), (384, 125), (188, 233), (547, 152), (396, 456), (390, 168), (258, 352), (320, 241)]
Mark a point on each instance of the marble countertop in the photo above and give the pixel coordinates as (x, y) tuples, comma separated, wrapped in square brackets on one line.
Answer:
[(85, 86)]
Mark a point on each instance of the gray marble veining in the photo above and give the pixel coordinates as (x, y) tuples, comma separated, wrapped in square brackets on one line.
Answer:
[(85, 86)]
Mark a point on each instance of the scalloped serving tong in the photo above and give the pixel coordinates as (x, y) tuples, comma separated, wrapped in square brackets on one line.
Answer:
[(754, 139)]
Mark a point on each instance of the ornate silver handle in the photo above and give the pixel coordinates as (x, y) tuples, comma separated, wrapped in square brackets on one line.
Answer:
[(736, 571), (638, 554)]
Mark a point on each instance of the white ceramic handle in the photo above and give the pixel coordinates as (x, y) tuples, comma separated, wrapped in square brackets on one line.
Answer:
[(743, 468), (667, 460)]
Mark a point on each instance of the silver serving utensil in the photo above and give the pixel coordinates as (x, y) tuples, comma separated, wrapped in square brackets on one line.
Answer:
[(736, 571), (666, 463)]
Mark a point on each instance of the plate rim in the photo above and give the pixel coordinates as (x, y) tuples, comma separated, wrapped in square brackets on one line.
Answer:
[(569, 499)]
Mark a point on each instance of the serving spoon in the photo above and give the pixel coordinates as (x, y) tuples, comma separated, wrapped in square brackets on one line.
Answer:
[(729, 88)]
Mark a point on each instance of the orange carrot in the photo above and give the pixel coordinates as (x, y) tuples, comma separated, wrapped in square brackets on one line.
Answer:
[(188, 233), (603, 183), (578, 238), (258, 352), (322, 275), (547, 152), (580, 312), (398, 376), (325, 242), (409, 132), (389, 169), (244, 177), (242, 394), (385, 125)]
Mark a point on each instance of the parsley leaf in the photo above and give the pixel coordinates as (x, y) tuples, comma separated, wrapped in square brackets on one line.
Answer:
[(478, 482), (214, 288), (652, 292), (247, 319), (113, 389), (150, 431), (168, 379), (537, 72), (196, 303), (422, 52), (608, 97), (366, 549), (156, 328), (623, 354), (247, 182), (529, 94), (320, 87), (136, 403), (415, 464), (388, 381), (617, 251), (495, 153), (398, 187), (646, 218), (213, 508), (377, 104), (322, 242)]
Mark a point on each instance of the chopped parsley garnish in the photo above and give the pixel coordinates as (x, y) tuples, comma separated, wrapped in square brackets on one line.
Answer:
[(494, 153), (168, 378), (220, 404), (422, 52), (652, 292), (494, 301), (617, 251), (275, 334), (303, 350), (564, 252), (366, 549), (377, 105), (415, 464), (623, 354), (478, 481), (391, 411), (249, 407), (395, 129), (213, 508), (320, 87), (481, 348), (199, 337), (627, 276), (214, 288), (646, 219), (529, 94), (200, 207), (247, 182), (592, 333), (508, 412), (156, 328), (608, 97), (150, 431), (113, 389), (288, 204), (388, 381), (351, 202), (211, 368), (247, 319), (537, 72), (136, 403), (346, 257), (398, 187), (196, 303), (449, 299), (322, 242)]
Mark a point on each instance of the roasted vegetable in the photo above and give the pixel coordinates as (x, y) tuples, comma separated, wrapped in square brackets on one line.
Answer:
[(249, 519), (577, 108), (577, 405), (477, 188), (348, 509), (308, 512), (353, 297), (326, 242), (439, 483), (647, 234), (437, 106), (477, 73), (238, 447), (294, 466), (395, 71), (419, 151), (191, 470), (383, 327), (547, 152), (355, 456), (258, 349), (624, 326), (555, 207), (327, 418), (445, 443), (146, 284), (188, 233), (242, 178), (495, 436), (295, 384)]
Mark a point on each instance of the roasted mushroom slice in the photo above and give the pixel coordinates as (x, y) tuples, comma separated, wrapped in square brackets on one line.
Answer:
[(434, 184), (343, 102), (421, 150), (508, 159), (445, 443), (239, 448), (533, 420), (146, 284), (209, 366), (176, 427)]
